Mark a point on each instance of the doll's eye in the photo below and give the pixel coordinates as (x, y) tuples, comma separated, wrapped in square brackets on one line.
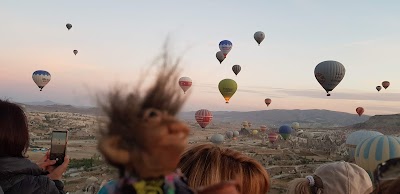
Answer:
[(152, 114)]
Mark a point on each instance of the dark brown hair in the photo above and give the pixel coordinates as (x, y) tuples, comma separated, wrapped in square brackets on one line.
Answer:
[(14, 135)]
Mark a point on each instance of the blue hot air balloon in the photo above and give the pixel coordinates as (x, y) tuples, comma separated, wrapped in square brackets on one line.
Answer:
[(285, 131), (41, 78), (225, 46)]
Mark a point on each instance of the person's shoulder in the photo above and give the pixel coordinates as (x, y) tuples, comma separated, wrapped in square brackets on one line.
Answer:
[(108, 188)]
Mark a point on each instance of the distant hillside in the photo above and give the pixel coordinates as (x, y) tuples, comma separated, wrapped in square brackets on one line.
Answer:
[(380, 122), (274, 118), (61, 108)]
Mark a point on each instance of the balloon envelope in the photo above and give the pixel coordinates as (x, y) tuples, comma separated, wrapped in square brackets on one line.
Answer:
[(360, 110), (217, 138), (75, 52), (272, 137), (185, 83), (268, 101), (357, 137), (245, 124), (225, 46), (378, 88), (220, 56), (69, 26), (385, 84), (227, 87), (236, 134), (203, 117), (329, 74), (259, 37), (285, 131), (236, 69), (295, 125), (255, 132), (41, 78), (263, 128)]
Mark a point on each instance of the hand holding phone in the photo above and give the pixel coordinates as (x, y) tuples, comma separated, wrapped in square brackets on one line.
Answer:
[(58, 146)]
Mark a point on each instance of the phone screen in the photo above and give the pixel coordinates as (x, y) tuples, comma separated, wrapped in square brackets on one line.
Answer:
[(58, 146)]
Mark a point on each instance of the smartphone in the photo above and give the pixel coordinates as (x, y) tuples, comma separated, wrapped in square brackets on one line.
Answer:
[(58, 146)]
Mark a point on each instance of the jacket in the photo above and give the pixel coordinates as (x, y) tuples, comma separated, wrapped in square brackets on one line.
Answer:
[(21, 176)]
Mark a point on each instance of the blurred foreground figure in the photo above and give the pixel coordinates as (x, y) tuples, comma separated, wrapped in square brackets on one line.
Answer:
[(333, 178), (144, 139), (209, 164), (387, 177)]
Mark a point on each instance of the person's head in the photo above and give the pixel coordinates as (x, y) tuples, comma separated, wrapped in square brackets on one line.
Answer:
[(209, 164), (332, 178), (387, 177), (14, 135)]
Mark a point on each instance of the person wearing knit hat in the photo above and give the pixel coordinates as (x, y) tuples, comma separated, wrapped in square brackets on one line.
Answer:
[(333, 178)]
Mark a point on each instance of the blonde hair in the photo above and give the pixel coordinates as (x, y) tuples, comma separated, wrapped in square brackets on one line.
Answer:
[(208, 164)]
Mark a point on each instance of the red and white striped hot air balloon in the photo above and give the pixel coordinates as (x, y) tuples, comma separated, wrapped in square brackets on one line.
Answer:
[(203, 117), (272, 137), (263, 128), (185, 83)]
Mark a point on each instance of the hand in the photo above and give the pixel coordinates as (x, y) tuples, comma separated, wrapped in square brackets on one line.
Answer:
[(45, 163), (57, 172)]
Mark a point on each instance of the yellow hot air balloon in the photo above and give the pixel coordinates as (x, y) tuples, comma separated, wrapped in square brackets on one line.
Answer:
[(227, 87)]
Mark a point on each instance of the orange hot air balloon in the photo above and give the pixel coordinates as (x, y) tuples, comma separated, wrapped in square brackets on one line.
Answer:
[(360, 111), (385, 84), (268, 101)]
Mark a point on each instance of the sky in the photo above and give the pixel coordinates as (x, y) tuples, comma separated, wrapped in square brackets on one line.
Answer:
[(118, 41)]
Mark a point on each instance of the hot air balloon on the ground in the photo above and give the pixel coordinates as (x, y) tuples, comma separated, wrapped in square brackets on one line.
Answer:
[(360, 111), (225, 46), (245, 124), (229, 134), (268, 101), (385, 84), (217, 138), (236, 69), (227, 87), (378, 88), (263, 128), (259, 37), (295, 125), (249, 124), (375, 150), (285, 131), (203, 117), (272, 137), (185, 83), (357, 137), (255, 132), (329, 74), (75, 52), (69, 26), (41, 78), (220, 56), (236, 134)]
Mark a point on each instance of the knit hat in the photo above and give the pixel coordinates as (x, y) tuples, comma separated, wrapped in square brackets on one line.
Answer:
[(344, 178)]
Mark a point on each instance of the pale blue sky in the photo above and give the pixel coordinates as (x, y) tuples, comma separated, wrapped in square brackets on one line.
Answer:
[(117, 40)]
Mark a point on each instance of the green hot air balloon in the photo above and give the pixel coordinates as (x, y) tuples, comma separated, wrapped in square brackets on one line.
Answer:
[(227, 87)]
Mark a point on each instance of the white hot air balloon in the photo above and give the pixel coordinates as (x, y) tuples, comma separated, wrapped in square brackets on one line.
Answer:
[(185, 83), (41, 78), (259, 37), (217, 138), (329, 74)]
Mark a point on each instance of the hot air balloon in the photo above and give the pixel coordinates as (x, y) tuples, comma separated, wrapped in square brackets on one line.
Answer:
[(329, 74), (268, 101), (378, 88), (360, 111), (236, 134), (357, 137), (249, 124), (203, 117), (69, 26), (272, 137), (236, 69), (259, 37), (220, 56), (295, 125), (185, 83), (385, 84), (225, 46), (375, 150), (263, 128), (217, 138), (75, 52), (285, 131), (41, 78), (227, 87), (229, 134), (245, 124), (255, 132)]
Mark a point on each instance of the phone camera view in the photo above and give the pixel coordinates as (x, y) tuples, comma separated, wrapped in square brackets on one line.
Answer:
[(58, 144)]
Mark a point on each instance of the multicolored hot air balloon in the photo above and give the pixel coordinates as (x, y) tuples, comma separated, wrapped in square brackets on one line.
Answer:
[(41, 78), (385, 84), (285, 131), (69, 26), (203, 117), (227, 87), (236, 69), (185, 83), (360, 111), (375, 150), (378, 88), (259, 37), (75, 52), (329, 74), (295, 125), (268, 101), (263, 128), (220, 56), (272, 137), (225, 46), (357, 137)]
